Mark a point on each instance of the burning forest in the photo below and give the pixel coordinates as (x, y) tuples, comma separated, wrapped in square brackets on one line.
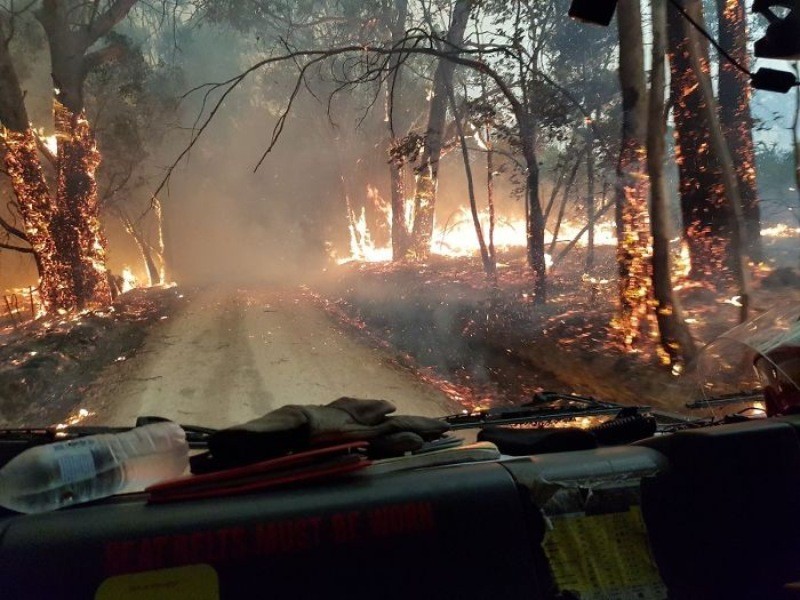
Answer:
[(471, 202)]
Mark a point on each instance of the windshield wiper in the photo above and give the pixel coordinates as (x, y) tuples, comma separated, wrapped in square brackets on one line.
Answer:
[(543, 408), (726, 399)]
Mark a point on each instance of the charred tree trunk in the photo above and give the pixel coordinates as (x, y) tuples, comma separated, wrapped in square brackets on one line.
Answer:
[(676, 339), (401, 236), (706, 226), (490, 192), (632, 218), (535, 217), (427, 177), (736, 118)]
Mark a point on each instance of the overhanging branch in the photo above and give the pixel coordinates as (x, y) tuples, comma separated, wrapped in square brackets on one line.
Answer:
[(416, 43)]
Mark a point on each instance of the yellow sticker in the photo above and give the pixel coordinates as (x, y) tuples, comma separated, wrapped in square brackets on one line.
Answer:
[(603, 556), (195, 582)]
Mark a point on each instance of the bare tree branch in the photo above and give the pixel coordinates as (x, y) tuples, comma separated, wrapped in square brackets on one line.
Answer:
[(106, 21), (11, 229)]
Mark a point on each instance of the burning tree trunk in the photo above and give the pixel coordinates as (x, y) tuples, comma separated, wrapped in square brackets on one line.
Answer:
[(37, 211), (76, 225), (427, 179), (676, 340), (706, 227), (21, 159), (732, 203), (736, 118), (633, 224), (62, 227)]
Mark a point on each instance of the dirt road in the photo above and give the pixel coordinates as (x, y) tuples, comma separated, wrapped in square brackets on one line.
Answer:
[(231, 355)]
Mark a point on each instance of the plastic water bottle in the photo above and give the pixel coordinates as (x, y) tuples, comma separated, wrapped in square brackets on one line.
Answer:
[(64, 473)]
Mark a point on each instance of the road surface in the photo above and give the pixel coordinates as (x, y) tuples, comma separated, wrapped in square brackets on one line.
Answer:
[(232, 355)]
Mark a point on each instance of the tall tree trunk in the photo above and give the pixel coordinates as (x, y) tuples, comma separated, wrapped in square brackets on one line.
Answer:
[(21, 160), (732, 203), (633, 222), (153, 274), (706, 227), (76, 224), (562, 209), (427, 178), (490, 191), (400, 234), (63, 227), (161, 231), (535, 217), (736, 118), (489, 266), (676, 339), (37, 211), (590, 206)]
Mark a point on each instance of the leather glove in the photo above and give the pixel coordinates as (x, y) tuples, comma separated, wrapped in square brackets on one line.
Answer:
[(297, 427)]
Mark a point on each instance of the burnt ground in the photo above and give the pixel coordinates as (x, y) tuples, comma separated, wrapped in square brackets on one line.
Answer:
[(488, 347), (47, 365), (440, 320)]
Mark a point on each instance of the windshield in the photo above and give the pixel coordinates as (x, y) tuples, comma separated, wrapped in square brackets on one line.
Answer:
[(214, 209)]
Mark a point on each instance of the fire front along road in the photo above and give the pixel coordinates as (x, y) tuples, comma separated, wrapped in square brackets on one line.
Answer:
[(231, 355)]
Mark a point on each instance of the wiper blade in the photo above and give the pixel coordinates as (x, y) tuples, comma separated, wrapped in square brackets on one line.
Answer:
[(543, 408), (726, 399)]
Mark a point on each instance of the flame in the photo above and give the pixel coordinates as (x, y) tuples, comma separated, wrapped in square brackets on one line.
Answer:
[(129, 280), (51, 141), (75, 418), (605, 234), (456, 236), (780, 230), (733, 301), (682, 264)]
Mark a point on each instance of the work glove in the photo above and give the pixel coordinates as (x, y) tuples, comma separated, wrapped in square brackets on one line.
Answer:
[(295, 428)]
